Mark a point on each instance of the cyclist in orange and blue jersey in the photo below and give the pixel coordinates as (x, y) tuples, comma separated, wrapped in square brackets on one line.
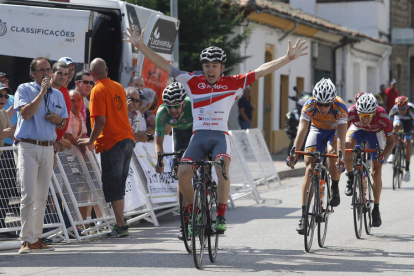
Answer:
[(328, 116)]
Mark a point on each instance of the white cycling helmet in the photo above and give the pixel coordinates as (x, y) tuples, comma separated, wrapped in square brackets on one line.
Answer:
[(173, 93), (213, 53), (324, 91), (366, 103)]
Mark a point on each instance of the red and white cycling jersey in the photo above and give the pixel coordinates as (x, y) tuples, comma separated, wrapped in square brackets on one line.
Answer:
[(379, 122), (211, 104)]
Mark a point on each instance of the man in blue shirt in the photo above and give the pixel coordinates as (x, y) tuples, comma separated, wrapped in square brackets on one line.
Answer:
[(245, 109), (40, 110)]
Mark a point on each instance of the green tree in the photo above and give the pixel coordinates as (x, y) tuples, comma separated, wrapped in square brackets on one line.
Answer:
[(204, 23)]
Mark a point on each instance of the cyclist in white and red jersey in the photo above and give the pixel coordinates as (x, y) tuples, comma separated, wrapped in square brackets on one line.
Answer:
[(212, 96), (370, 122)]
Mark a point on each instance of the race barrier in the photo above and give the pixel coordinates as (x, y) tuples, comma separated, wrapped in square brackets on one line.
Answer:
[(76, 187)]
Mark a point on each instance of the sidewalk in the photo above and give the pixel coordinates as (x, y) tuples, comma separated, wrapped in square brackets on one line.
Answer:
[(283, 170)]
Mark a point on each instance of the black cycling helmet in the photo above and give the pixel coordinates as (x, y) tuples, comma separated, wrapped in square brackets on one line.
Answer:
[(173, 93), (212, 54)]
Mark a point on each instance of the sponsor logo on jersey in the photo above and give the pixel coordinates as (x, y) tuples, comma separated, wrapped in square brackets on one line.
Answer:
[(310, 108), (338, 111), (203, 85), (173, 121), (200, 118), (201, 110), (158, 134), (221, 112)]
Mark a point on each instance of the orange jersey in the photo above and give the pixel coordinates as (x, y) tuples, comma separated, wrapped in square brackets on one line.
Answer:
[(108, 98), (338, 114)]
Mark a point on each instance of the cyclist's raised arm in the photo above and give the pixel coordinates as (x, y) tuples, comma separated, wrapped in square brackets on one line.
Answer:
[(292, 54), (138, 41)]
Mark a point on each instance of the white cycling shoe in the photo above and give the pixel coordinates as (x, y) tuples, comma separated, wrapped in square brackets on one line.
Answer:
[(407, 176)]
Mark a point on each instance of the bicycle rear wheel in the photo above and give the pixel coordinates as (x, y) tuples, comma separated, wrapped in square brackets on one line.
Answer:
[(324, 211), (213, 236), (310, 213), (369, 205), (184, 225), (198, 222), (401, 167), (395, 169), (357, 204)]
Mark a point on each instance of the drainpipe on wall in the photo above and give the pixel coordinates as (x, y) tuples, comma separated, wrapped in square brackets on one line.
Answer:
[(289, 32)]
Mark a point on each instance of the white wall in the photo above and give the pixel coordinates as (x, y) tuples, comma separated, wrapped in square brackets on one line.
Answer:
[(368, 17), (256, 47)]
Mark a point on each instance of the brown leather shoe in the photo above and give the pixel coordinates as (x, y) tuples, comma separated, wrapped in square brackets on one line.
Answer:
[(25, 248), (41, 246)]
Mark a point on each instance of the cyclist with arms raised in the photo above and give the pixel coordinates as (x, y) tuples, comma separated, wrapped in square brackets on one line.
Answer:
[(328, 116), (212, 96), (402, 117), (368, 121)]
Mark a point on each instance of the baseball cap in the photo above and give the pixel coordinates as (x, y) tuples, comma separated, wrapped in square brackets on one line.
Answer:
[(141, 94), (3, 86), (68, 60), (393, 81), (2, 74)]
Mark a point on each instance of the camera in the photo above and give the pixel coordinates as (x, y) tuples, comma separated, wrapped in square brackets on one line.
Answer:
[(150, 137)]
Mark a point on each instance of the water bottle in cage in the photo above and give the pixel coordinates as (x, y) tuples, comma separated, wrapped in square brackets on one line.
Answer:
[(364, 182), (322, 184)]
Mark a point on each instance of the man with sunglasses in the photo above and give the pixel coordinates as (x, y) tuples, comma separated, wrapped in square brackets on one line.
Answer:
[(176, 112), (328, 116), (137, 121), (402, 117), (369, 122), (84, 84), (212, 95)]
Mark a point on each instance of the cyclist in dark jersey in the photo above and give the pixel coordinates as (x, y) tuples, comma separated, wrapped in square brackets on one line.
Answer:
[(176, 112)]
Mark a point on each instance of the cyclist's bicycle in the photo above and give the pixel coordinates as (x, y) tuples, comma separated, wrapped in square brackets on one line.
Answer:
[(318, 207), (184, 215), (362, 194), (203, 217), (398, 165)]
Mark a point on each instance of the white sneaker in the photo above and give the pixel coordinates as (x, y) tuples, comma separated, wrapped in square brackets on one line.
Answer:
[(58, 239), (407, 176), (390, 158)]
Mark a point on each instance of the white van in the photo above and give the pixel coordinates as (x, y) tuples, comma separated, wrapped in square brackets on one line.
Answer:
[(83, 30)]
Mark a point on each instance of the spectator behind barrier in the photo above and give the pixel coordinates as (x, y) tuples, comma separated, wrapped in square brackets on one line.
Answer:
[(134, 101), (84, 84), (137, 82), (146, 106)]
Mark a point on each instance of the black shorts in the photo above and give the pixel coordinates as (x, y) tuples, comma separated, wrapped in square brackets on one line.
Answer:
[(181, 138)]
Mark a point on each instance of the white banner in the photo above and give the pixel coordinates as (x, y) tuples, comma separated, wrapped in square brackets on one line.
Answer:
[(37, 31), (162, 187), (134, 195)]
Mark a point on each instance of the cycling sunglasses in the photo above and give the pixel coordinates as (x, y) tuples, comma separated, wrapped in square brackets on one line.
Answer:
[(404, 108), (324, 104), (177, 106), (365, 115), (134, 100)]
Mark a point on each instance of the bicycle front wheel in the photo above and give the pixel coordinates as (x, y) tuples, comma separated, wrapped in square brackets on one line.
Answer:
[(324, 211), (401, 167), (369, 205), (184, 225), (198, 222), (213, 236), (310, 213), (357, 204), (395, 169)]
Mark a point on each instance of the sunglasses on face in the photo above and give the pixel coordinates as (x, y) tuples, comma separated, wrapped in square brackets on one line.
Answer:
[(4, 96), (134, 100), (177, 106), (324, 104), (402, 109), (365, 115), (88, 82)]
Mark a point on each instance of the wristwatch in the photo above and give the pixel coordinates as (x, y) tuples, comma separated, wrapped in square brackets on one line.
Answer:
[(61, 124)]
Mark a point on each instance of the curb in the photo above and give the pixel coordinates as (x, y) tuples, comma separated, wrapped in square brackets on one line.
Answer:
[(292, 173)]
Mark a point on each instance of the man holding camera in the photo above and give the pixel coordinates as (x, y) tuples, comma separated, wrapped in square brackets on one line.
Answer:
[(40, 110)]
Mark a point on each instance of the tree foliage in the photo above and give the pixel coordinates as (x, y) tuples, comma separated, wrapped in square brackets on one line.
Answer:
[(204, 23)]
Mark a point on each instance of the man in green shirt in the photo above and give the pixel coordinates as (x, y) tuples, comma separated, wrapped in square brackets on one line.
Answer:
[(176, 112)]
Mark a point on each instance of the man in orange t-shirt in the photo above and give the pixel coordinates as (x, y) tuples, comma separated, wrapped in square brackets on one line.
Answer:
[(113, 138)]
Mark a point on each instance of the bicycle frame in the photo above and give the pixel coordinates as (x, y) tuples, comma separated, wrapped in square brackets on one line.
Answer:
[(399, 160)]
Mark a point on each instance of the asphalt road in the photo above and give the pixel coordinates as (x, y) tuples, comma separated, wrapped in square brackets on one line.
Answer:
[(261, 239)]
